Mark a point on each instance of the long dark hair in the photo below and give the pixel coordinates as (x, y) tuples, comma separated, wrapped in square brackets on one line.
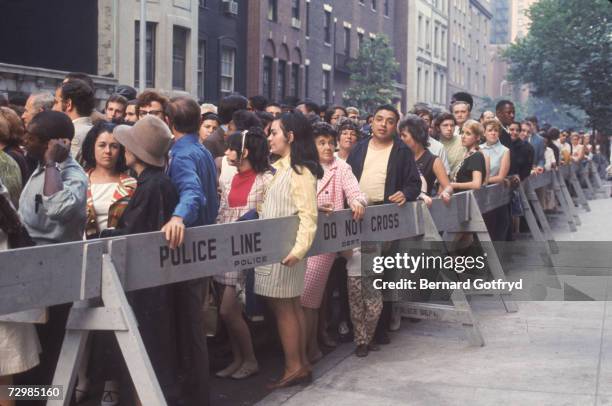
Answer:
[(303, 149), (256, 142), (89, 156)]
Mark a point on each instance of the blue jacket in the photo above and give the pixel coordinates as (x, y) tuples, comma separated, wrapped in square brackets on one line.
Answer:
[(537, 142), (402, 172), (194, 174)]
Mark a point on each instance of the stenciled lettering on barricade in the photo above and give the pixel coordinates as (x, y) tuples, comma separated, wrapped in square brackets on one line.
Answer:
[(245, 245), (189, 252), (342, 231), (383, 222)]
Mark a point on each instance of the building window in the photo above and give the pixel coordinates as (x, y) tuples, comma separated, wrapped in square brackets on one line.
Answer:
[(308, 19), (295, 80), (202, 3), (427, 43), (469, 79), (436, 37), (327, 27), (149, 55), (326, 86), (360, 39), (201, 69), (420, 32), (272, 10), (281, 80), (374, 5), (267, 77), (418, 84), (228, 63), (426, 87), (347, 41), (386, 7), (435, 88), (179, 57), (295, 9), (306, 81)]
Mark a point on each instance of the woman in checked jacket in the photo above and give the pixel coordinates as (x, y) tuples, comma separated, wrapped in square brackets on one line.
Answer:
[(337, 186), (248, 152)]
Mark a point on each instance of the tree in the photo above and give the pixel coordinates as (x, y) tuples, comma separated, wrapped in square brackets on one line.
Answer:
[(372, 75), (567, 56)]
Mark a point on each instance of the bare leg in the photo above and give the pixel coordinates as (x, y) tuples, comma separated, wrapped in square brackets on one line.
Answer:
[(231, 311), (290, 333), (312, 343), (239, 334)]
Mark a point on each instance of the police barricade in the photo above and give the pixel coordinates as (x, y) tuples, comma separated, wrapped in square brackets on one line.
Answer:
[(583, 174), (596, 182), (459, 309), (572, 178), (77, 272), (466, 217), (37, 277), (529, 187)]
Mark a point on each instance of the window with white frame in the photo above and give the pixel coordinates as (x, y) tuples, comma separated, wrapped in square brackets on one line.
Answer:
[(228, 66)]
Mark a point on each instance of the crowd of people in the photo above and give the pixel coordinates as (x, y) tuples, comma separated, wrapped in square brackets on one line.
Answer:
[(153, 163)]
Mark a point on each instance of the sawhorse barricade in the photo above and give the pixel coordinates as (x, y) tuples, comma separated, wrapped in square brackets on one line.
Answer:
[(106, 269), (34, 278), (572, 179), (459, 311), (529, 187)]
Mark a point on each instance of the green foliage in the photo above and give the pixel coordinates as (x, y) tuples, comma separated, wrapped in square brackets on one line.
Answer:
[(372, 75), (567, 56)]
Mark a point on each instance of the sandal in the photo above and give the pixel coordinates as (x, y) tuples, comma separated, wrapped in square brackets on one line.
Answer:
[(245, 371)]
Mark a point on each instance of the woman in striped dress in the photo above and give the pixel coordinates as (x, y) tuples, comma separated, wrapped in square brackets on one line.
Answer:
[(338, 186), (292, 191), (248, 152)]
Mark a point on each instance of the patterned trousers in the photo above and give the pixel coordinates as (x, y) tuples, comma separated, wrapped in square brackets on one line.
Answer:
[(366, 305)]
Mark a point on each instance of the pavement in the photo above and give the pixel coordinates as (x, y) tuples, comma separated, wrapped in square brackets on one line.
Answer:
[(548, 353)]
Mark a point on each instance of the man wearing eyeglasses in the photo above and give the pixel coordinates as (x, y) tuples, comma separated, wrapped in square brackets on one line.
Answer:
[(151, 102)]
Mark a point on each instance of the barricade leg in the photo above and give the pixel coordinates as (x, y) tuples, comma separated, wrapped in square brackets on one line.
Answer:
[(584, 175), (477, 226), (578, 189), (595, 179), (537, 208), (565, 206), (117, 316), (459, 312), (529, 217), (568, 199)]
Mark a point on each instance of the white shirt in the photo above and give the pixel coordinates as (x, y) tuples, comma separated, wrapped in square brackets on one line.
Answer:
[(436, 148), (82, 125)]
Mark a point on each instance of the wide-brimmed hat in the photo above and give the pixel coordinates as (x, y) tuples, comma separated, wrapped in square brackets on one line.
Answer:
[(149, 139)]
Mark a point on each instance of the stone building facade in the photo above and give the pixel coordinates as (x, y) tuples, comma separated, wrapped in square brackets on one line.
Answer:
[(470, 23)]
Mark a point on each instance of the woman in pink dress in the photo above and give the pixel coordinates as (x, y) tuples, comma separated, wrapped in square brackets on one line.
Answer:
[(338, 186)]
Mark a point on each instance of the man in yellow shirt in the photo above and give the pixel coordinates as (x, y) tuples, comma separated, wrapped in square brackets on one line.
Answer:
[(387, 173)]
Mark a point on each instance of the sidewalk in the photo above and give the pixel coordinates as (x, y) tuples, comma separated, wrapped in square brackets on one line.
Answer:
[(549, 353)]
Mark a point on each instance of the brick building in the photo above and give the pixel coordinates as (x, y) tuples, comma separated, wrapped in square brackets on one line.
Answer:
[(301, 48), (222, 49)]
